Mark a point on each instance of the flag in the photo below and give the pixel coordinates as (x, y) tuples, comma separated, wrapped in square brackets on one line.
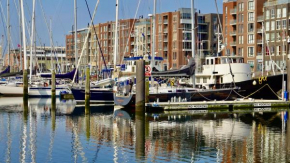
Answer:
[(18, 45), (143, 35)]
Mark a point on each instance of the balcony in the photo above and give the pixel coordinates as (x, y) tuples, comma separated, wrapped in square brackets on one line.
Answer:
[(233, 33), (165, 30), (260, 18), (165, 40), (233, 11), (259, 30), (234, 43), (165, 21), (259, 42), (165, 48), (233, 22), (202, 31)]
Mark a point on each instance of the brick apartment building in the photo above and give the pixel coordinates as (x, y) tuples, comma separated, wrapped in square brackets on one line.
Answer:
[(172, 39)]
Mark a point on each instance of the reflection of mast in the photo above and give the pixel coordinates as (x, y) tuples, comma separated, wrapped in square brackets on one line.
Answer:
[(32, 137), (23, 142), (51, 137), (77, 146), (8, 152)]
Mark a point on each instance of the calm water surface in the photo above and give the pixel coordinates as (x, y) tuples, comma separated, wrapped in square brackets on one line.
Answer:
[(33, 132)]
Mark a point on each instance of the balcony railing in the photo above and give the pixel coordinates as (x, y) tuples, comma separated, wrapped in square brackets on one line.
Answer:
[(234, 43), (233, 22), (233, 11), (260, 18), (259, 42), (233, 33)]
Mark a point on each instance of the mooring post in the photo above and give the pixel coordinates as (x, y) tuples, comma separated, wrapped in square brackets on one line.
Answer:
[(87, 92), (288, 78), (140, 109), (53, 87), (147, 90), (25, 85), (140, 85)]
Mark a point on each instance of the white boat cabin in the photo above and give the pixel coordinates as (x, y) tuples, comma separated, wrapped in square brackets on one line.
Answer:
[(219, 70)]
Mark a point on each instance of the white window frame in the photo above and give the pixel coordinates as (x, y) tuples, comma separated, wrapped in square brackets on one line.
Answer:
[(253, 51)]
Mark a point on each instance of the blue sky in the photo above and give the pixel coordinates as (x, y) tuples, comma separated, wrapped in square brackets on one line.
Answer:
[(62, 16)]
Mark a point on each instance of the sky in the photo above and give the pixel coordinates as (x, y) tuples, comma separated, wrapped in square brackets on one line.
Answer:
[(61, 14)]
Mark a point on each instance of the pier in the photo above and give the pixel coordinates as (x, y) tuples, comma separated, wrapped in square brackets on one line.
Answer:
[(219, 105)]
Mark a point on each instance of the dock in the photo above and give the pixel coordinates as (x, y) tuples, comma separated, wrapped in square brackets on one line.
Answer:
[(220, 105)]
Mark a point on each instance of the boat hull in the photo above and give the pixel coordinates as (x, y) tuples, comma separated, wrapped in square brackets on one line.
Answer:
[(44, 91), (9, 91), (96, 95), (262, 89), (203, 95)]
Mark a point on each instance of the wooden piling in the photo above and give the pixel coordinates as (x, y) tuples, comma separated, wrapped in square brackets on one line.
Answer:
[(288, 77), (25, 85), (87, 92), (53, 88), (140, 85), (147, 90)]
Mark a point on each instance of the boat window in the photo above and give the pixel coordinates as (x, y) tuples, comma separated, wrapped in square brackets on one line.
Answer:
[(234, 61), (211, 61), (207, 62), (197, 80), (222, 80)]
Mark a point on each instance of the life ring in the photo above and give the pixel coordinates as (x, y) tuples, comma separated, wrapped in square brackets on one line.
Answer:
[(45, 84)]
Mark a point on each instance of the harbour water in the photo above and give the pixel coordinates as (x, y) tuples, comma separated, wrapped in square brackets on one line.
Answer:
[(33, 132)]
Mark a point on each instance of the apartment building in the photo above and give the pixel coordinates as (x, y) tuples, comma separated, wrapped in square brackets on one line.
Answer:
[(142, 37), (276, 25), (172, 39), (70, 48), (242, 26)]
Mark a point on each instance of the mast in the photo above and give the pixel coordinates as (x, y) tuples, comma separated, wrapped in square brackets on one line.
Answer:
[(153, 40), (8, 30), (193, 38), (20, 42), (23, 35), (32, 38), (75, 16), (116, 34), (51, 59), (263, 48)]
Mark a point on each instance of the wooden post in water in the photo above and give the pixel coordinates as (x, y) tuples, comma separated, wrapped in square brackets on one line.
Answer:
[(288, 77), (140, 85), (25, 85), (147, 90), (140, 109), (87, 92), (53, 88)]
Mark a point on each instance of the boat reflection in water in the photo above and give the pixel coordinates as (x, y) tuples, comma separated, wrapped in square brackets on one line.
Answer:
[(106, 135)]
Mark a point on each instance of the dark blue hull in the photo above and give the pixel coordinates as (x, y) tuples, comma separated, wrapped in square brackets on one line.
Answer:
[(96, 95)]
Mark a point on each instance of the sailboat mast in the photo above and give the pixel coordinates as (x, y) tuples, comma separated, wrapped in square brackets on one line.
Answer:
[(24, 35), (32, 38), (116, 34), (51, 58), (20, 42), (8, 30), (75, 16), (153, 40), (193, 38)]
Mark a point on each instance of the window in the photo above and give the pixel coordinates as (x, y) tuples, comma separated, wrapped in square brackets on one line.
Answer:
[(226, 19), (272, 13), (251, 63), (251, 27), (277, 50), (284, 12), (241, 39), (272, 25), (272, 37), (241, 6), (250, 16), (278, 24), (241, 18), (250, 38), (226, 10), (251, 5), (267, 26), (279, 14), (268, 14), (267, 36), (241, 28), (174, 56), (241, 51), (283, 24), (250, 51), (278, 37)]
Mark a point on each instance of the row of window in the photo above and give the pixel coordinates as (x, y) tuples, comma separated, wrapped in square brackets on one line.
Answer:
[(251, 6), (279, 24), (281, 13)]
